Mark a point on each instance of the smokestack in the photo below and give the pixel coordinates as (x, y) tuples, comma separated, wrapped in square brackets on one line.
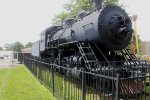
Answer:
[(98, 3)]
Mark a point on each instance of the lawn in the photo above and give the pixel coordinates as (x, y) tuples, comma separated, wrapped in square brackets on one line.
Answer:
[(19, 84)]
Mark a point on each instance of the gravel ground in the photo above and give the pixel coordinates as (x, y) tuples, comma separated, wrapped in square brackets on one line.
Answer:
[(8, 63)]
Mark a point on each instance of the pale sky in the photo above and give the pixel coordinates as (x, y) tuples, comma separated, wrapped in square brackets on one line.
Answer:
[(23, 20)]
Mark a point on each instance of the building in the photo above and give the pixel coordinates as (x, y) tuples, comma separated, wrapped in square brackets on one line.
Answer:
[(23, 51), (145, 47), (133, 45), (26, 50), (6, 54)]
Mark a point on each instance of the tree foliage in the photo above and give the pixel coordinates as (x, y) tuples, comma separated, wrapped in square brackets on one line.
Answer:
[(75, 6), (28, 45), (8, 47), (59, 18), (111, 2), (1, 49), (17, 46)]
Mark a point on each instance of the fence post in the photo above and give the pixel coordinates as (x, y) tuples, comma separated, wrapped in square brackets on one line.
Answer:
[(118, 81), (83, 86), (53, 79)]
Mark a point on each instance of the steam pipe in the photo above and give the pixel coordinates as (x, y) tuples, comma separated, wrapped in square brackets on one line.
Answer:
[(98, 3)]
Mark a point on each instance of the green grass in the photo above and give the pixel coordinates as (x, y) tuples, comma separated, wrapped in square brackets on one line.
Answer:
[(19, 84)]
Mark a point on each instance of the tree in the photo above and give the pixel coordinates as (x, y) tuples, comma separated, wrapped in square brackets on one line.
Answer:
[(60, 18), (28, 45), (1, 49), (17, 46), (75, 6), (111, 2), (8, 47)]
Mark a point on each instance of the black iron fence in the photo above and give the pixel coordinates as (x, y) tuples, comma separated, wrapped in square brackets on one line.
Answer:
[(96, 84)]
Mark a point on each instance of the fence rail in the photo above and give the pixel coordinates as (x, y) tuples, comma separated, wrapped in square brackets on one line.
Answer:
[(90, 85)]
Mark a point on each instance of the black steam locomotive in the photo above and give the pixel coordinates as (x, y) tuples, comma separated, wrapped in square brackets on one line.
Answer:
[(90, 41), (95, 41), (91, 38)]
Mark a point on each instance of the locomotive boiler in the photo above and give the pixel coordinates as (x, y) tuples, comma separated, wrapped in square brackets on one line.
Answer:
[(109, 26)]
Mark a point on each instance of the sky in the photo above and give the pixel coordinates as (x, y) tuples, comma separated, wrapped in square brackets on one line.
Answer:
[(23, 20)]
